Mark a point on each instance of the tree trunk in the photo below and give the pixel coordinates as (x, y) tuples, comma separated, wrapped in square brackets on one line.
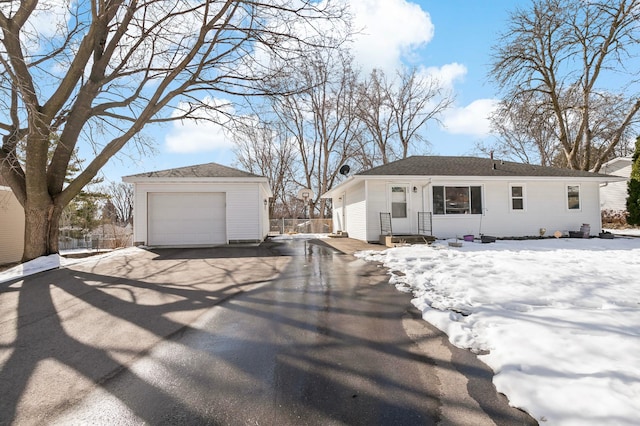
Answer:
[(41, 230)]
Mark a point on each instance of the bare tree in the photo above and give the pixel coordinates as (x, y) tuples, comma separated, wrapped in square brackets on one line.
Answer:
[(375, 109), (120, 195), (525, 132), (109, 68), (322, 121), (395, 113), (573, 63), (266, 149), (417, 101)]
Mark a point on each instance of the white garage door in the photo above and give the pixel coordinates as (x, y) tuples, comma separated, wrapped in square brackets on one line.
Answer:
[(186, 218)]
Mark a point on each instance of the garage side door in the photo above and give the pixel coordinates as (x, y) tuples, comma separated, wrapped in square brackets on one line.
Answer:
[(186, 218)]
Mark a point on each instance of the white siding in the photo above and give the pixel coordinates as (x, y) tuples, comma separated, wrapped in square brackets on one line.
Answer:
[(376, 204), (244, 210), (11, 227), (263, 202), (546, 207), (613, 195), (378, 201), (356, 212)]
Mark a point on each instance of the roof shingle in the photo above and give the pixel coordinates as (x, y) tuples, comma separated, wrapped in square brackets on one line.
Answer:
[(469, 166), (209, 170)]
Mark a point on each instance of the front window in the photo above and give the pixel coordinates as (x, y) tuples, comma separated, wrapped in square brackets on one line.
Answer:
[(457, 200), (573, 197), (517, 197), (398, 202)]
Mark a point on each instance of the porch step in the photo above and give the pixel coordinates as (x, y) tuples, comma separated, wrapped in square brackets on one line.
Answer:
[(339, 234), (397, 240)]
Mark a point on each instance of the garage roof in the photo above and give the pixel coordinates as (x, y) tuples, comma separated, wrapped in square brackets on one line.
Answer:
[(208, 170)]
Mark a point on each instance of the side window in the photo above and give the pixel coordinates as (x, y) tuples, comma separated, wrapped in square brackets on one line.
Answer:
[(573, 197), (517, 197), (398, 202)]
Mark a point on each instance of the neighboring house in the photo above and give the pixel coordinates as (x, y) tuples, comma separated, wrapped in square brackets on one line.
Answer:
[(467, 196), (11, 227), (200, 205), (613, 195)]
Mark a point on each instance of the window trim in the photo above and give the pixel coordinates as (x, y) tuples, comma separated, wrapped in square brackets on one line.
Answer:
[(524, 197), (566, 195)]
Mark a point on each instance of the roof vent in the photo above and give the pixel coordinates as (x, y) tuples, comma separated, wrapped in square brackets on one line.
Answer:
[(494, 166)]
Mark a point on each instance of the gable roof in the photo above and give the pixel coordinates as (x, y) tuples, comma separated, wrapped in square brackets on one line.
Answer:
[(208, 170), (470, 166)]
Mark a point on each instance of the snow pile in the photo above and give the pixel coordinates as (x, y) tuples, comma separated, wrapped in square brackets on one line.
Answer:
[(560, 319), (31, 267), (53, 261)]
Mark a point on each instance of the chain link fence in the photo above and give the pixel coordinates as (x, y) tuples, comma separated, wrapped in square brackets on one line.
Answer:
[(300, 226)]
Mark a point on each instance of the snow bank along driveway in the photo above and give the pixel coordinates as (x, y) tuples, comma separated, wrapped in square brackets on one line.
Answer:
[(560, 319)]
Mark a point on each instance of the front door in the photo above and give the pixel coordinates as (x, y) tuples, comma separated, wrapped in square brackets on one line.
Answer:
[(399, 208)]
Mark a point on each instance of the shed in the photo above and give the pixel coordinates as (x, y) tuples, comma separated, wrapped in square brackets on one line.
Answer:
[(448, 197), (201, 205)]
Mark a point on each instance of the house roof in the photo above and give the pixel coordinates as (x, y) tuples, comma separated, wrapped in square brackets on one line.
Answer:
[(615, 165), (466, 167), (208, 170), (470, 166)]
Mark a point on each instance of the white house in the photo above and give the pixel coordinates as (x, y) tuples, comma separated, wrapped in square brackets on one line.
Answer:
[(613, 195), (200, 205), (11, 227), (455, 196)]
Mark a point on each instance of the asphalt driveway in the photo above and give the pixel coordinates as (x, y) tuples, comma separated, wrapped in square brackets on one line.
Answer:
[(287, 333)]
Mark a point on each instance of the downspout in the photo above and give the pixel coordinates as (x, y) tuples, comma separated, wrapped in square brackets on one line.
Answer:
[(424, 203)]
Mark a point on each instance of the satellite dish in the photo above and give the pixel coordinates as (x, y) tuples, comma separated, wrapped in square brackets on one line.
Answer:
[(305, 194), (344, 170)]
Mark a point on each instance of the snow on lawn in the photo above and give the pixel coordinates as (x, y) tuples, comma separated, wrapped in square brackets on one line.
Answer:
[(560, 319)]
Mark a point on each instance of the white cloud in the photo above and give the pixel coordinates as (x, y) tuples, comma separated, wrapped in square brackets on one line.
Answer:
[(48, 20), (472, 119), (190, 136), (447, 74), (388, 31)]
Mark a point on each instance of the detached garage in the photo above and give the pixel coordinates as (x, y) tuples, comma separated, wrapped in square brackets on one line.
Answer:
[(203, 205)]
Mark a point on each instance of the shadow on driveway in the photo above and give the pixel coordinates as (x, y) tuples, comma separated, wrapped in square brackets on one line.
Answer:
[(136, 333), (64, 331)]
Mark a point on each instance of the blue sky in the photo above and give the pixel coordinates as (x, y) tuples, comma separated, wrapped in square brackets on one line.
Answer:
[(452, 38)]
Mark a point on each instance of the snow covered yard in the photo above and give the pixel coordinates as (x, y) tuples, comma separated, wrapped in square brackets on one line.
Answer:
[(558, 320)]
